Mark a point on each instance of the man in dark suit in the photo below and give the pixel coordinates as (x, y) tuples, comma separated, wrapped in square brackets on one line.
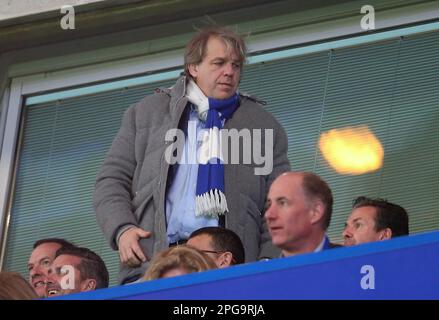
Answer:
[(375, 219), (299, 208)]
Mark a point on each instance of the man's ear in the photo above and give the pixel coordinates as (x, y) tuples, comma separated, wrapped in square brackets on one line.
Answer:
[(193, 70), (386, 234), (225, 260), (88, 285), (317, 211)]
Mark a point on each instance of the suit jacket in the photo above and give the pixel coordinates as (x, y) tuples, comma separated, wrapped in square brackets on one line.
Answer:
[(132, 183)]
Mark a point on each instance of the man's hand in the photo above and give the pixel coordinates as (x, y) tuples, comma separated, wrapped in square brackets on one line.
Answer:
[(129, 249)]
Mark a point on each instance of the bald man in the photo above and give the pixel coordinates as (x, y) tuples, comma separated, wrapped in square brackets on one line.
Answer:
[(299, 208)]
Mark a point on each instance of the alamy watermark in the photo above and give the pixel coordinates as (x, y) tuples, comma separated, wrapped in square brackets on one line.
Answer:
[(67, 21), (368, 280), (229, 146), (68, 280), (368, 21)]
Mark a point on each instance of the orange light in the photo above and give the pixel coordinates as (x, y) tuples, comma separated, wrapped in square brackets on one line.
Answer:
[(353, 150)]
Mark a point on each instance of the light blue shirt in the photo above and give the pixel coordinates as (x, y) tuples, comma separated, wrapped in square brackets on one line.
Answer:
[(180, 198)]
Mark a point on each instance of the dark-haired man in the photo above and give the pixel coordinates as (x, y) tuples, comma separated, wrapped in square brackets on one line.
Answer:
[(74, 270), (374, 220), (222, 245), (40, 261)]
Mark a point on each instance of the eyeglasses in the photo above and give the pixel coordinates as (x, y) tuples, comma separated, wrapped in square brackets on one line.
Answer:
[(219, 252), (211, 251)]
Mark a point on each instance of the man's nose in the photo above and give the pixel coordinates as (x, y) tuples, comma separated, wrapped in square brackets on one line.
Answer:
[(270, 213), (229, 69), (36, 271), (347, 233)]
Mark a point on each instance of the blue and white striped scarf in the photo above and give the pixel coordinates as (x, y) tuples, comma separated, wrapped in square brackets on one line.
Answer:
[(210, 198)]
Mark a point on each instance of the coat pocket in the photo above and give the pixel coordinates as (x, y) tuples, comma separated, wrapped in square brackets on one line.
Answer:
[(143, 200)]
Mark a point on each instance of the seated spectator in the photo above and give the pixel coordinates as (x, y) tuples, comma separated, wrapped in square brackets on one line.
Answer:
[(299, 208), (40, 261), (89, 272), (374, 220), (178, 260), (14, 287), (222, 245)]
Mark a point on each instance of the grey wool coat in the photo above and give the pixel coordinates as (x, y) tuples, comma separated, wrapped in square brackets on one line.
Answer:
[(132, 183)]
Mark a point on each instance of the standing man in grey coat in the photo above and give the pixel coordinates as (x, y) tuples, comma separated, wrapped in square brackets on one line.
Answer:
[(198, 154)]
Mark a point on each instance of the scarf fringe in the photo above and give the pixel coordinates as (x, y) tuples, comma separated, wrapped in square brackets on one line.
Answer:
[(211, 203)]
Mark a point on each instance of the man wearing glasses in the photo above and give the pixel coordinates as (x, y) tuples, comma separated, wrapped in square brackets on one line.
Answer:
[(222, 245)]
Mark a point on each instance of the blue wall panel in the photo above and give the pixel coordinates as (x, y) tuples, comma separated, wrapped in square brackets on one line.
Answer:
[(403, 268)]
